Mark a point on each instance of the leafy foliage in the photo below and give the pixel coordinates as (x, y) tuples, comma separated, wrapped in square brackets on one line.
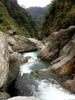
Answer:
[(18, 17)]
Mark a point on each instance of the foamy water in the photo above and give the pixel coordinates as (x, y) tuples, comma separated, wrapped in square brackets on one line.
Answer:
[(46, 90)]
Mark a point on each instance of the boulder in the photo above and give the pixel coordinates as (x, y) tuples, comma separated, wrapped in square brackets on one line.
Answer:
[(4, 61), (41, 73), (20, 43), (56, 41), (25, 85), (19, 57), (24, 98)]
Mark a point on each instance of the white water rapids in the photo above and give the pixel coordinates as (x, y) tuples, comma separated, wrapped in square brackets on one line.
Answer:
[(46, 90)]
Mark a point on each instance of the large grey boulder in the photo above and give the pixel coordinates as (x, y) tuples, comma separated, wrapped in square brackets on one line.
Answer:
[(20, 43), (24, 98), (4, 60)]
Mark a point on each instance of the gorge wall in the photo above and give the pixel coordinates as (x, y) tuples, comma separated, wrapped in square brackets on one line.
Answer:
[(61, 15)]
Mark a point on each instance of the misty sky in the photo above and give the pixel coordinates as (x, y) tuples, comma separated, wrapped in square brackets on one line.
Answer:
[(33, 3)]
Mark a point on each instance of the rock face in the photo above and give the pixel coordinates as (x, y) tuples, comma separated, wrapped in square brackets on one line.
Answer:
[(20, 43), (65, 63), (61, 52), (4, 60), (24, 98), (57, 40)]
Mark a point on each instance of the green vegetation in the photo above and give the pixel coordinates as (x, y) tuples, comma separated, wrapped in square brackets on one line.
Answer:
[(12, 14), (38, 15), (61, 15)]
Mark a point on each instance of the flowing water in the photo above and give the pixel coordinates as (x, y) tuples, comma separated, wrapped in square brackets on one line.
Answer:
[(47, 89)]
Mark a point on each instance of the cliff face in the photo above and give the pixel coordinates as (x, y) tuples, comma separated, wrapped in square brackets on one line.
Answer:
[(61, 15), (11, 14)]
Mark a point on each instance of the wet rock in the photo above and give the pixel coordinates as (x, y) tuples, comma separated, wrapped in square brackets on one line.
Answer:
[(41, 73), (25, 85), (24, 98)]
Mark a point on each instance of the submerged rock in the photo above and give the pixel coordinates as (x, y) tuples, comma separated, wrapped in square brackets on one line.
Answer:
[(25, 85)]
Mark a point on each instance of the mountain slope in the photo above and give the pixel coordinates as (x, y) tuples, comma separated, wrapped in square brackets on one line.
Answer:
[(38, 13), (61, 15), (12, 14)]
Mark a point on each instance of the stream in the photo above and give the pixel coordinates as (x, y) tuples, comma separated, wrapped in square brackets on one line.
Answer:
[(47, 88)]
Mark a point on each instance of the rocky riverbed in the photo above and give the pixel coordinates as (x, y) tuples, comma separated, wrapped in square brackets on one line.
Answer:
[(45, 86), (58, 50)]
